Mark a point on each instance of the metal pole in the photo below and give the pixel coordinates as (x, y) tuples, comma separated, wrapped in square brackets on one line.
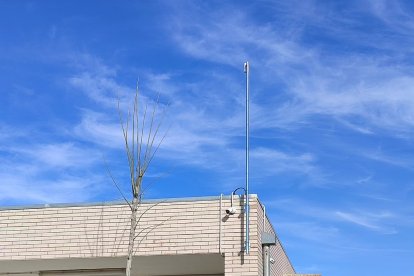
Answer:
[(220, 214), (266, 260), (247, 71)]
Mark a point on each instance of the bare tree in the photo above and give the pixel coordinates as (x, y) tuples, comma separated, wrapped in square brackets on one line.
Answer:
[(142, 141)]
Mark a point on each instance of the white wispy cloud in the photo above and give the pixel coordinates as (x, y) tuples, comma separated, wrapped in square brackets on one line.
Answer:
[(99, 129), (394, 14), (390, 158), (60, 155), (381, 97), (380, 221), (311, 231), (34, 172), (197, 136), (368, 220), (375, 89), (28, 188), (283, 161), (227, 36), (359, 92)]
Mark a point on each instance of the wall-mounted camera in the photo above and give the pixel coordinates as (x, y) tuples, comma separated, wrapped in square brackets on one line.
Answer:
[(231, 211)]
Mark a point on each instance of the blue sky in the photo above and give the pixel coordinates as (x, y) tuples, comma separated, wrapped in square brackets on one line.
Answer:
[(332, 113)]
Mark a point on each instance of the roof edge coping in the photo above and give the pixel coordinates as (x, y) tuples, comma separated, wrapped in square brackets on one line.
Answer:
[(117, 202)]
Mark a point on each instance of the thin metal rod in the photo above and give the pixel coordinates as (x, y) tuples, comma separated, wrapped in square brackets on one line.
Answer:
[(247, 72), (266, 260), (220, 214)]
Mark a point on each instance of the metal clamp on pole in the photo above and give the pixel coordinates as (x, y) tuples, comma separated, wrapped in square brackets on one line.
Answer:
[(267, 241)]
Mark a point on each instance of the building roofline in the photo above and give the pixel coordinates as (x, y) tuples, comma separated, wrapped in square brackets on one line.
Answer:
[(277, 236), (117, 202)]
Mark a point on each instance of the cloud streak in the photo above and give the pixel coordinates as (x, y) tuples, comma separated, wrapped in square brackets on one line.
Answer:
[(373, 220), (376, 90), (34, 172)]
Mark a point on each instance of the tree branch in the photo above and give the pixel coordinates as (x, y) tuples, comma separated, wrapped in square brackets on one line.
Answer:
[(152, 227), (115, 183), (143, 213)]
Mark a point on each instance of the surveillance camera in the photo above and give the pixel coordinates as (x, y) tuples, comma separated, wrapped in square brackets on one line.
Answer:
[(231, 211), (272, 261)]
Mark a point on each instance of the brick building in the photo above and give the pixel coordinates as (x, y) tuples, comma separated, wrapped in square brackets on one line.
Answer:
[(190, 236)]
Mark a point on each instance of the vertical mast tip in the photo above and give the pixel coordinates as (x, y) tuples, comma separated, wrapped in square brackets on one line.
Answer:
[(246, 66)]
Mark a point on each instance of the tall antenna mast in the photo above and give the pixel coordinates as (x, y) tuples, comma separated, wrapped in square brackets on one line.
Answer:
[(247, 205)]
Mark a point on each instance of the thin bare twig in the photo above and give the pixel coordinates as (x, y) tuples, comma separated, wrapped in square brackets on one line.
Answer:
[(156, 149), (152, 227), (154, 136), (115, 183), (148, 147), (140, 151), (155, 180), (116, 235), (148, 209), (87, 239), (128, 152), (137, 120), (140, 143), (120, 240)]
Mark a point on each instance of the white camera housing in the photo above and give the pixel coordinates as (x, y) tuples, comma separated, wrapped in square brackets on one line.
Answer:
[(272, 261), (231, 211)]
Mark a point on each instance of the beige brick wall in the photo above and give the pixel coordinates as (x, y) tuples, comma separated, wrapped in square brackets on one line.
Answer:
[(282, 264), (178, 227)]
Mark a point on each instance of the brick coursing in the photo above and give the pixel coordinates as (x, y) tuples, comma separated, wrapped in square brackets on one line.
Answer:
[(178, 227)]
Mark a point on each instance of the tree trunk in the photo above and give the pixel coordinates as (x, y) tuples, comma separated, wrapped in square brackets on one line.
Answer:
[(132, 235)]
